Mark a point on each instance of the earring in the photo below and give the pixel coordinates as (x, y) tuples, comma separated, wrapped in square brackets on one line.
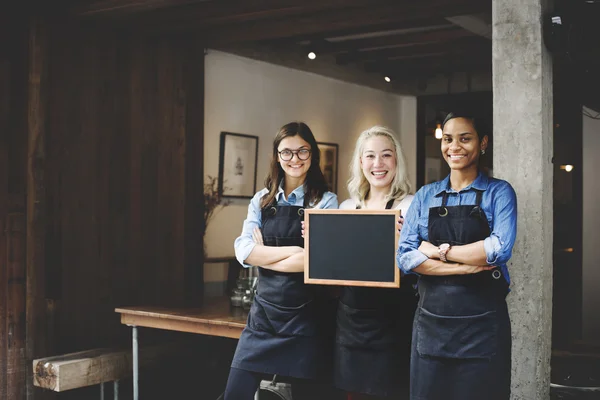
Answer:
[(482, 151)]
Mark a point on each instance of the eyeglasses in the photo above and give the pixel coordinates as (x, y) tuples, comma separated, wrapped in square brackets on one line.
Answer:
[(287, 155)]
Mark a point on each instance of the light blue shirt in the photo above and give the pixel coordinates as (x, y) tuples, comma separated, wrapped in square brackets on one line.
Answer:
[(499, 202), (244, 244)]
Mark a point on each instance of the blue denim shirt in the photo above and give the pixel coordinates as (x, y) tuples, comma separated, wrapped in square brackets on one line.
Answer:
[(499, 202), (244, 244)]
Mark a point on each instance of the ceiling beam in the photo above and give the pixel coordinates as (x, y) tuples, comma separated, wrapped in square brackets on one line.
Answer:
[(213, 11), (455, 62), (428, 72), (320, 23), (335, 41), (436, 34), (124, 7), (477, 24), (446, 45)]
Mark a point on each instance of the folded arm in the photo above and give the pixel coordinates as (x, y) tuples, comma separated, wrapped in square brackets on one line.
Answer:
[(293, 263), (288, 259), (264, 256), (472, 254), (436, 267), (416, 255)]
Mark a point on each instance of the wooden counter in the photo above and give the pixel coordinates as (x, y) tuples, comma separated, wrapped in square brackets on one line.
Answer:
[(215, 318)]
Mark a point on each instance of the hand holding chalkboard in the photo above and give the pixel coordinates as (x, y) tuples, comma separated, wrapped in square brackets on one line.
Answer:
[(351, 247)]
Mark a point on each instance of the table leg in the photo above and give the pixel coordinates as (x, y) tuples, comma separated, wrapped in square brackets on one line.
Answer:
[(116, 390), (136, 391)]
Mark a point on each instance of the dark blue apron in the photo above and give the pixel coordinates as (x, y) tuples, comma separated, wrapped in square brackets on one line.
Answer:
[(281, 335), (461, 347), (372, 346)]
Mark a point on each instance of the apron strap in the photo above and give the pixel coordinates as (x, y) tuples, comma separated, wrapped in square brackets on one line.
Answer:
[(444, 199), (477, 211), (479, 197), (388, 205)]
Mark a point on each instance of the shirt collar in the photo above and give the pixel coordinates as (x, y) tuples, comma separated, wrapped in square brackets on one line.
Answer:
[(298, 193), (480, 183)]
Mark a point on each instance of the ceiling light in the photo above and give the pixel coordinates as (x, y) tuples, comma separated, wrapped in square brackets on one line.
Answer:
[(388, 79), (567, 167), (312, 55), (438, 131)]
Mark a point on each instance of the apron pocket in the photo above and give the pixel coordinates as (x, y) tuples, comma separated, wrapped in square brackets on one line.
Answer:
[(462, 337), (282, 321), (364, 328)]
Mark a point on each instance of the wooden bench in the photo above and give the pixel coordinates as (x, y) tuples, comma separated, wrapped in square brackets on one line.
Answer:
[(94, 367), (81, 369)]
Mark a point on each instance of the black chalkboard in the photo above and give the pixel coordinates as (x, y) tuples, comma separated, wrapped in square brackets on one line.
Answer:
[(351, 247)]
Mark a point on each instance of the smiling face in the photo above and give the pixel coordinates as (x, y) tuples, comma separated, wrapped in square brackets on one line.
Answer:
[(378, 161), (294, 168), (461, 146)]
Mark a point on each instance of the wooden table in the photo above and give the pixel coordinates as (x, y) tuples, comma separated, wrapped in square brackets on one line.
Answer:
[(215, 318)]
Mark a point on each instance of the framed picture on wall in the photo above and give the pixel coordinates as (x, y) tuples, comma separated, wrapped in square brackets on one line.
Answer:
[(238, 157), (329, 164)]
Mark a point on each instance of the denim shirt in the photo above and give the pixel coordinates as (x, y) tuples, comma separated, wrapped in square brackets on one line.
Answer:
[(499, 202), (244, 244)]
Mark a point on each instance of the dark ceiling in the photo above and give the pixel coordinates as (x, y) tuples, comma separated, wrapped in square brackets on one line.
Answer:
[(422, 46), (361, 41)]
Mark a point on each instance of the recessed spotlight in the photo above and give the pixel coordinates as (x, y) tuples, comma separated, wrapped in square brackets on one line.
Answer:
[(312, 55), (388, 79)]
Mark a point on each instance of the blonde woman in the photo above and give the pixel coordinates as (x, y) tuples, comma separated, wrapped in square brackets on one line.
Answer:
[(373, 331)]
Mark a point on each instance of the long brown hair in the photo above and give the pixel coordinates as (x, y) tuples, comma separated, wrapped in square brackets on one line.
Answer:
[(314, 185)]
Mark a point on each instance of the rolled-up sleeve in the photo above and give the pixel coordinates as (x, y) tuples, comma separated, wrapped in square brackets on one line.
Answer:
[(498, 246), (244, 244), (408, 255)]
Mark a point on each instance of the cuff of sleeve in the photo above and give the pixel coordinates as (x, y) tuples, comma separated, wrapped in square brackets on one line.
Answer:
[(492, 247), (243, 255), (411, 260)]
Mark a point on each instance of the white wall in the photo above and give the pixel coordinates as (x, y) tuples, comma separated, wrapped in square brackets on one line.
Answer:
[(591, 222), (256, 98)]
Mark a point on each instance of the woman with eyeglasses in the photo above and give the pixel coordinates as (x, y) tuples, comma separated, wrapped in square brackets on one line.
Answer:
[(458, 237), (283, 333)]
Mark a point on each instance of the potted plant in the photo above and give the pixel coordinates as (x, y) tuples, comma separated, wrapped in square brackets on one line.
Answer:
[(213, 202)]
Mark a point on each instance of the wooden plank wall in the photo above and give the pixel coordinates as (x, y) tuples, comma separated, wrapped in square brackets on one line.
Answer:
[(37, 318), (13, 142), (124, 168), (113, 124)]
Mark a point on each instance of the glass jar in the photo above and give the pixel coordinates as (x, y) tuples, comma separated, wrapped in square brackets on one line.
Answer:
[(247, 299), (237, 295)]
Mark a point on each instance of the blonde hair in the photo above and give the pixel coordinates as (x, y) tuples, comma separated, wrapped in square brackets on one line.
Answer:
[(358, 185)]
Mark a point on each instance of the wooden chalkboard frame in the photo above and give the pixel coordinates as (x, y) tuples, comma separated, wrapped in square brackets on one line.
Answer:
[(307, 216)]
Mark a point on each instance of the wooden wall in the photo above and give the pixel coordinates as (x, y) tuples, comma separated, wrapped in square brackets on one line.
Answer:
[(124, 178), (101, 181), (13, 147)]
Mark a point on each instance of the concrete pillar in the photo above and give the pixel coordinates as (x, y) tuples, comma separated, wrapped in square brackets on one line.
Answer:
[(522, 84)]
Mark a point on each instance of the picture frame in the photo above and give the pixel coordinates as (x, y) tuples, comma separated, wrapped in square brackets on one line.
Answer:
[(329, 164), (238, 159)]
